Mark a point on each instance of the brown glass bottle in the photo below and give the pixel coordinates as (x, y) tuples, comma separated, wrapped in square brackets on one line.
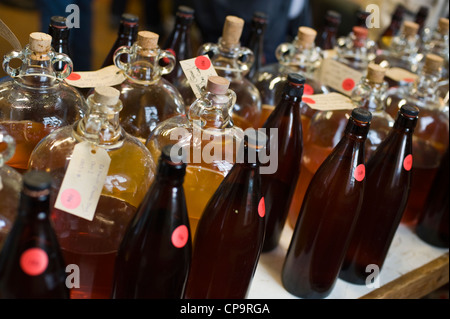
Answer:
[(179, 43), (285, 130), (329, 211), (154, 257), (392, 30), (230, 234), (421, 17), (31, 263), (59, 32), (361, 18), (432, 226), (127, 35), (327, 37), (388, 181), (256, 43)]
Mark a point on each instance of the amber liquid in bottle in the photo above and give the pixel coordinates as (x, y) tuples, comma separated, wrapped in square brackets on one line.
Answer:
[(388, 180), (433, 226), (329, 211), (222, 267), (154, 257), (31, 263), (278, 187)]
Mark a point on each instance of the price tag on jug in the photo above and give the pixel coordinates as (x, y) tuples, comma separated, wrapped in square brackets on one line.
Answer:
[(83, 182), (197, 71), (328, 102), (108, 76), (339, 76)]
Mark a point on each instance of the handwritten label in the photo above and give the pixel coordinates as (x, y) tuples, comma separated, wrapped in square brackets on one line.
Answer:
[(401, 75), (34, 261), (83, 182), (197, 71), (108, 76), (329, 102), (180, 236), (339, 76)]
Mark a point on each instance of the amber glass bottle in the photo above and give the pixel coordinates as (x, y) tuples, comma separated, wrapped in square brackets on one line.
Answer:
[(284, 128), (230, 234), (327, 37), (127, 34), (233, 61), (388, 181), (31, 263), (392, 30), (154, 257), (432, 226), (179, 43), (59, 32), (256, 43), (329, 211), (91, 242)]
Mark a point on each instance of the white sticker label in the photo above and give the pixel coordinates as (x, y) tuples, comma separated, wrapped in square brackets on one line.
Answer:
[(108, 76), (328, 102), (83, 182), (197, 71), (339, 76)]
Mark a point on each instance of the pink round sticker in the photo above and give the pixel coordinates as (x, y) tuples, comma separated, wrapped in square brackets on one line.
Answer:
[(360, 172), (348, 84), (262, 207), (308, 100), (74, 76), (407, 162), (202, 62), (180, 236), (70, 198), (34, 261), (308, 90)]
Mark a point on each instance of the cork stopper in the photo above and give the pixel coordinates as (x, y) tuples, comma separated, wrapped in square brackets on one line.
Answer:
[(40, 42), (375, 73), (306, 36), (106, 95), (433, 63), (147, 40), (232, 30), (217, 85), (410, 29), (360, 32), (443, 26)]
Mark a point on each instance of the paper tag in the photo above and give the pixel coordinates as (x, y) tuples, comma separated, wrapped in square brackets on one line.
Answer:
[(328, 102), (83, 182), (339, 76), (197, 71), (9, 36), (108, 76), (401, 75)]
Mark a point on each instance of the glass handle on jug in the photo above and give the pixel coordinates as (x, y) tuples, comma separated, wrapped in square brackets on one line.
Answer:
[(245, 60), (13, 55), (283, 51), (118, 60), (68, 65), (211, 49), (169, 59)]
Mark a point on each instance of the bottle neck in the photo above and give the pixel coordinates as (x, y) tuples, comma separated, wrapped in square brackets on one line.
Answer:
[(127, 33), (356, 130), (101, 124), (405, 123), (34, 204), (60, 36), (370, 95), (170, 173), (212, 111)]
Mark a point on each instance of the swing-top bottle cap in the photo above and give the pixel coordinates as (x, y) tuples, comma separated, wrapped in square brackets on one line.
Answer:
[(217, 85), (443, 26), (147, 40), (173, 153), (433, 63), (106, 95), (40, 42), (232, 30), (58, 22), (410, 28), (360, 32), (361, 114), (306, 35), (375, 73), (409, 110), (296, 78), (36, 180)]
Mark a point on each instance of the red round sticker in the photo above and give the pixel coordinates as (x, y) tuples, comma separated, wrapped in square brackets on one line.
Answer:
[(202, 62), (172, 51), (408, 80), (262, 207), (407, 162), (180, 236), (70, 198), (308, 90), (308, 100), (74, 76), (34, 261), (348, 84), (360, 172)]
